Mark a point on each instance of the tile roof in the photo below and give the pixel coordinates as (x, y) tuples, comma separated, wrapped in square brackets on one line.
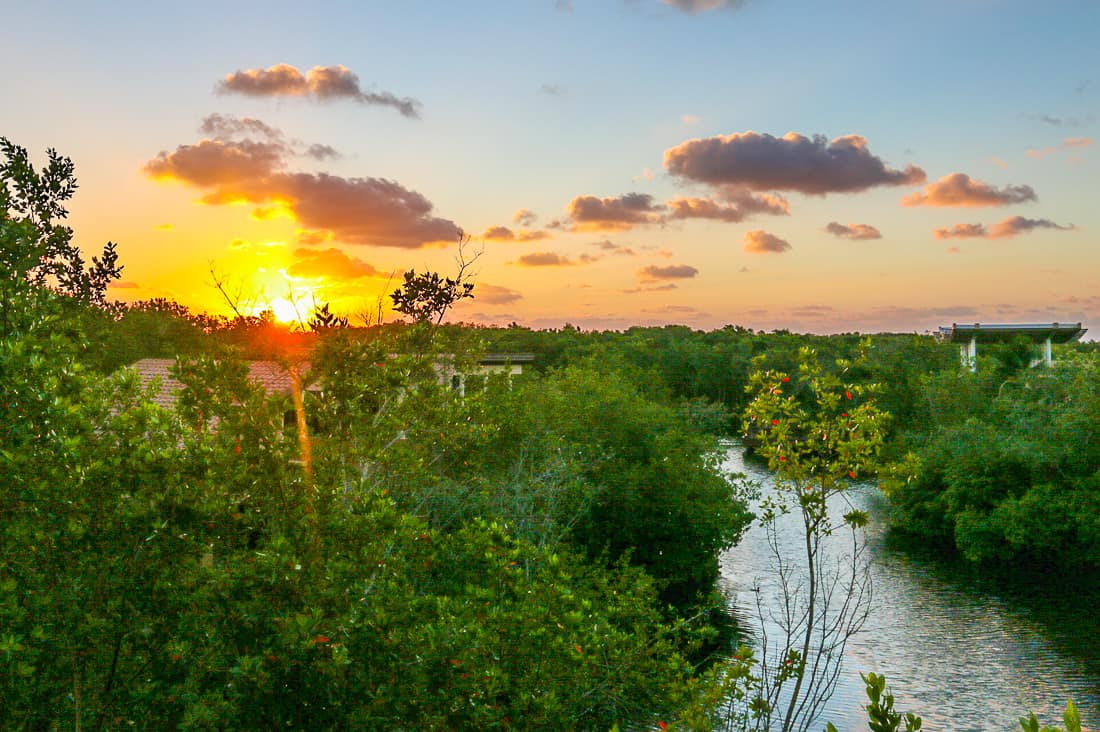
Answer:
[(270, 375)]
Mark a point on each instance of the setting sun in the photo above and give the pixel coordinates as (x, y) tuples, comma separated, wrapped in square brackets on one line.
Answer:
[(287, 311)]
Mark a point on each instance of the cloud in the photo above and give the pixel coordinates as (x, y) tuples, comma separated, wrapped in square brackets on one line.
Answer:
[(503, 233), (1010, 227), (218, 162), (959, 189), (619, 213), (123, 285), (323, 83), (669, 272), (495, 294), (695, 7), (544, 259), (812, 311), (553, 90), (857, 232), (1067, 144), (609, 246), (689, 119), (370, 211), (961, 231), (1057, 121), (735, 207), (330, 264), (650, 288), (789, 163), (322, 152), (524, 217), (759, 241), (228, 127), (563, 6)]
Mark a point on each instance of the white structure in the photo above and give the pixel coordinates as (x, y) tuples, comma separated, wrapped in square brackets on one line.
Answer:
[(969, 335)]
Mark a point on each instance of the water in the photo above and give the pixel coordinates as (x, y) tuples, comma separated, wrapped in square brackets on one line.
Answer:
[(962, 650)]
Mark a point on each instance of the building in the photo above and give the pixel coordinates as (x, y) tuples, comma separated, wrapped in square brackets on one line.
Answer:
[(968, 336)]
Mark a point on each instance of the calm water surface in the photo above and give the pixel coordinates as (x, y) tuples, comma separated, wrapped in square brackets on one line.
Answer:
[(965, 651)]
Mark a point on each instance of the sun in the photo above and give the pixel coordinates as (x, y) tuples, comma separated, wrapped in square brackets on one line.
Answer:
[(286, 311)]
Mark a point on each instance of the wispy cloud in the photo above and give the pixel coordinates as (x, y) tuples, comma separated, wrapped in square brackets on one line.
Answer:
[(609, 246), (789, 163), (323, 83), (553, 90), (667, 272), (503, 233), (759, 241), (959, 189), (495, 294), (857, 232), (694, 7), (1055, 121), (1069, 143), (524, 217), (1010, 227), (544, 259)]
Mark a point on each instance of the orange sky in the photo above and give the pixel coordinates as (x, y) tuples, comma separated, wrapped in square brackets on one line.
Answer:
[(615, 163)]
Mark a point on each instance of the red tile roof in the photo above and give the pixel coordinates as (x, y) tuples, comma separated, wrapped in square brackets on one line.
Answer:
[(270, 375)]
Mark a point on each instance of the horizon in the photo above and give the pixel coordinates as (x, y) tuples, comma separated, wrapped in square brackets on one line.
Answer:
[(861, 168)]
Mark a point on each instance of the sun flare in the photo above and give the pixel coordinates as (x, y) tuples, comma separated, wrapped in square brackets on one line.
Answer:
[(287, 311)]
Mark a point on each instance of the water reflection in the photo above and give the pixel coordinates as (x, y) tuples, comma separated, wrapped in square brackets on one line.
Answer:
[(963, 650)]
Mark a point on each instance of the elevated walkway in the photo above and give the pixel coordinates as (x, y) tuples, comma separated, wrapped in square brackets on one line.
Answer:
[(968, 336)]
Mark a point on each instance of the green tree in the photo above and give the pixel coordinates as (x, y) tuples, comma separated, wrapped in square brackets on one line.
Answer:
[(818, 431)]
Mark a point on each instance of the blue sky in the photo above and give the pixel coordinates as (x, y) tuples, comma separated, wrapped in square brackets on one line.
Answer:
[(532, 105)]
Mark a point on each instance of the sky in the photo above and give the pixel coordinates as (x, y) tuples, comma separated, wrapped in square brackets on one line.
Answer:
[(820, 167)]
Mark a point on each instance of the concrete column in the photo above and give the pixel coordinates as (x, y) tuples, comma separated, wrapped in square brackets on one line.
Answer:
[(972, 354), (1046, 352)]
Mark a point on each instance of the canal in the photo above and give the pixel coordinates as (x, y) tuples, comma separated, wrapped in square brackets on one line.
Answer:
[(964, 650)]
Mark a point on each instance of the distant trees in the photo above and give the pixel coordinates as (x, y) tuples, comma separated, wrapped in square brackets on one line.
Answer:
[(1008, 470)]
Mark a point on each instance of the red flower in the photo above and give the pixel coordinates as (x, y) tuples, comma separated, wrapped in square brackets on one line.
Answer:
[(662, 725), (320, 639), (782, 459), (843, 414), (786, 379), (852, 474), (848, 394), (775, 421)]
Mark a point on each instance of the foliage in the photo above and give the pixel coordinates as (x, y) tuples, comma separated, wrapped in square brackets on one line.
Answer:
[(426, 297), (1071, 719), (818, 432), (41, 252), (323, 319), (1010, 471)]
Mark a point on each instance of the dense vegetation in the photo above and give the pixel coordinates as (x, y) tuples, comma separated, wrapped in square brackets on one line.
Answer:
[(536, 552), (1008, 469), (521, 555)]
